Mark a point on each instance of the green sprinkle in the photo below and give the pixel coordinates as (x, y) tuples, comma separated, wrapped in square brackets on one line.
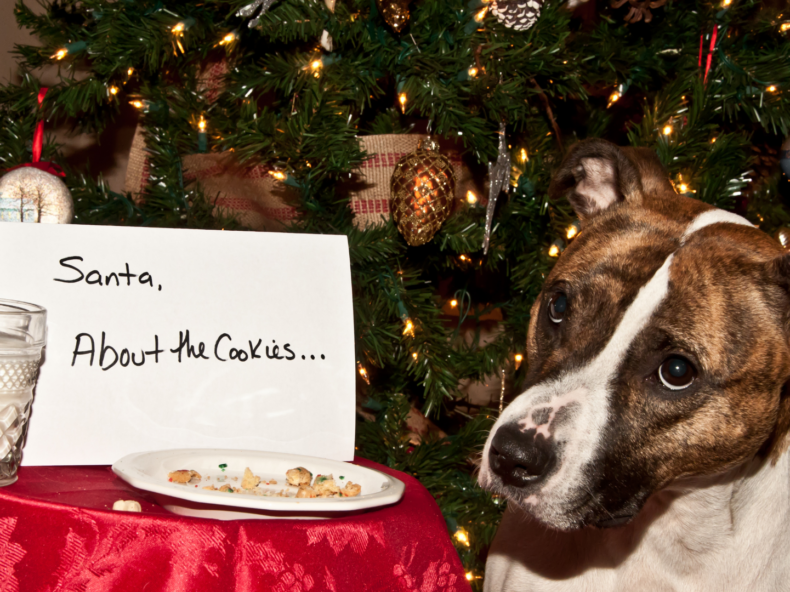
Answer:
[(342, 477), (223, 466)]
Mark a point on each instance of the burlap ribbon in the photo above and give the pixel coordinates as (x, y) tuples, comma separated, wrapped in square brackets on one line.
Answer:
[(261, 202)]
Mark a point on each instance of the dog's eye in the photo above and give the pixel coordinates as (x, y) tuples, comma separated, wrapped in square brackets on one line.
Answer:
[(676, 373), (557, 307)]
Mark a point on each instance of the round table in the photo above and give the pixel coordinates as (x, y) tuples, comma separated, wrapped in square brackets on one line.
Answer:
[(58, 532)]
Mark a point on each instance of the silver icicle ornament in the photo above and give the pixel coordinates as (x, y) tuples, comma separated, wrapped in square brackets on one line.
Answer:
[(250, 9), (498, 180)]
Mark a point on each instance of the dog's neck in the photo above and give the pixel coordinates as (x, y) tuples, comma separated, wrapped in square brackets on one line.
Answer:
[(693, 535), (714, 519)]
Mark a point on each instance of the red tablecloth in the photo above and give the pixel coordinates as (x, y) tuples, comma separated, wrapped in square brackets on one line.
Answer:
[(58, 532)]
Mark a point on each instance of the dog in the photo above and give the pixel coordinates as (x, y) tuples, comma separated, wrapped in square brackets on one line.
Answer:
[(648, 451)]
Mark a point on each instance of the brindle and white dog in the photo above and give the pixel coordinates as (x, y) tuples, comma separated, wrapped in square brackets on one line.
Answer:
[(656, 404)]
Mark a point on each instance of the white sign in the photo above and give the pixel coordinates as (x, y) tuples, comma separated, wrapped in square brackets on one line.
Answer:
[(162, 338)]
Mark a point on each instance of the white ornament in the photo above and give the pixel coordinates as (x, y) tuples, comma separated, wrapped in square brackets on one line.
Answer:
[(29, 194), (518, 15)]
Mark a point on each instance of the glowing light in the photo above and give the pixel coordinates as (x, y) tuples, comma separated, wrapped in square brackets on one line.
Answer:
[(519, 358), (572, 231), (524, 156), (402, 101), (683, 188), (462, 536), (113, 90), (713, 140), (363, 373), (469, 576), (726, 3), (667, 130), (482, 14), (129, 72), (556, 248), (771, 89), (471, 197), (613, 98), (279, 175), (463, 258), (202, 124), (316, 64), (414, 355), (60, 54), (785, 27), (408, 328), (472, 71), (453, 303), (178, 31), (137, 104), (229, 38)]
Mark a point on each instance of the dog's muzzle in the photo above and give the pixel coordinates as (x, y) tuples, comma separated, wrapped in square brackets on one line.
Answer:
[(521, 458)]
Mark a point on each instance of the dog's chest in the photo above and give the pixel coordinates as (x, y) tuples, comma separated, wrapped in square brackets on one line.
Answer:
[(696, 541)]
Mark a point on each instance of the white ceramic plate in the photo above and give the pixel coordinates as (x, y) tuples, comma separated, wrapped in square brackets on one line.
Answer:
[(149, 471)]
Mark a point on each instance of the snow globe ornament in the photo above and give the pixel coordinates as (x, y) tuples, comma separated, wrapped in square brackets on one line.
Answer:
[(29, 194), (34, 192)]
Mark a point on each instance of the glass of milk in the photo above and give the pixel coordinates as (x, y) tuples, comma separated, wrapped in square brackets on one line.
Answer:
[(23, 334)]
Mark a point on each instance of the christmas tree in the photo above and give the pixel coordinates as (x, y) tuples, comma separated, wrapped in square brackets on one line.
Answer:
[(296, 88)]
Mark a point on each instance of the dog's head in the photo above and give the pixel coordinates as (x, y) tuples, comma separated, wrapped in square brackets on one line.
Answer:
[(658, 349)]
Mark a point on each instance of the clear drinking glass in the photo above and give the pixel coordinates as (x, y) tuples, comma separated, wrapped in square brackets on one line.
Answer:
[(23, 334)]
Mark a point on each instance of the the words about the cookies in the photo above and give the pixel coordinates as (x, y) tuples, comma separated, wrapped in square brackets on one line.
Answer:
[(100, 352)]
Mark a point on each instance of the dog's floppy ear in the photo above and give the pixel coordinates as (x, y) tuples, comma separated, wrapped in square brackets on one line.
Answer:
[(779, 271), (780, 439), (595, 175)]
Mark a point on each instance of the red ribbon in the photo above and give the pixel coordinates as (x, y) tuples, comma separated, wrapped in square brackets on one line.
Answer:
[(709, 61), (38, 145), (38, 137)]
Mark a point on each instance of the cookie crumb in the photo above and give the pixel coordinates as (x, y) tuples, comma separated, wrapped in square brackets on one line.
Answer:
[(298, 476), (127, 506)]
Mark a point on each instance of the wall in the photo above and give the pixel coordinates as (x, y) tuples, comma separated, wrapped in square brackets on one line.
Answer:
[(106, 154)]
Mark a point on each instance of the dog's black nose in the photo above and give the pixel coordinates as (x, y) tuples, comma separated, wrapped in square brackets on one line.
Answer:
[(520, 458)]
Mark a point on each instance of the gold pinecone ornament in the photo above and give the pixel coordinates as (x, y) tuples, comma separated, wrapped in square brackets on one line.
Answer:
[(422, 189)]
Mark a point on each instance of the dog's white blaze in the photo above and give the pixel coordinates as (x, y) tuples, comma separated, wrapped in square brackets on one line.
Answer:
[(582, 437), (712, 217)]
